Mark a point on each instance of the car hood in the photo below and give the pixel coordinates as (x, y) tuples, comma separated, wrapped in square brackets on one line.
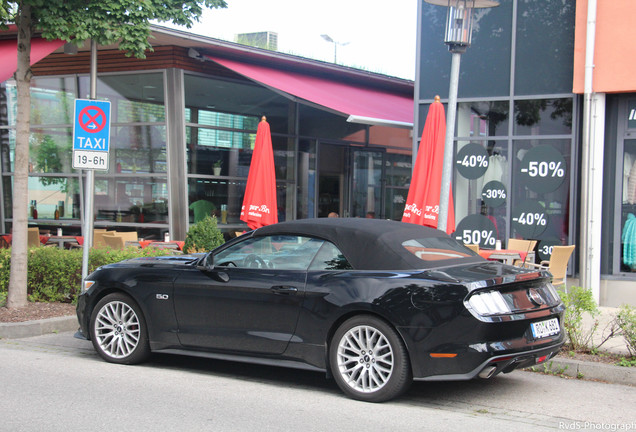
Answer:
[(168, 260)]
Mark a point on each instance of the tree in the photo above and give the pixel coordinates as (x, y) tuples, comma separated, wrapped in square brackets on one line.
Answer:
[(126, 22)]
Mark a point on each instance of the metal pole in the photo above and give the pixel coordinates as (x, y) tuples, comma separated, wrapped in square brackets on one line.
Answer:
[(87, 228), (447, 171), (589, 251)]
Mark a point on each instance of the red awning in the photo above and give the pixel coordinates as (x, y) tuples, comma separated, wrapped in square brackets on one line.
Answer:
[(40, 48), (362, 104)]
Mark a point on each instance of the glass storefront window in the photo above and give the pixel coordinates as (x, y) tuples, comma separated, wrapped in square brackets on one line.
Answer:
[(366, 178), (543, 117), (52, 101), (223, 102), (134, 98), (223, 198), (131, 199), (628, 204), (218, 195), (139, 149), (397, 180), (50, 150), (540, 192), (318, 123), (46, 195), (54, 197), (306, 179), (219, 160), (545, 47), (482, 189), (482, 119), (487, 57)]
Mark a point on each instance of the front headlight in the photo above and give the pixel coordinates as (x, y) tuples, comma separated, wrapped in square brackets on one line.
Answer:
[(87, 285)]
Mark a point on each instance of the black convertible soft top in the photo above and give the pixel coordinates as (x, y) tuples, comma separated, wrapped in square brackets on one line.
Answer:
[(376, 244)]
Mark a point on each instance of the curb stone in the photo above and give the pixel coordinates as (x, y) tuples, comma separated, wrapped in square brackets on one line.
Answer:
[(37, 328), (588, 371)]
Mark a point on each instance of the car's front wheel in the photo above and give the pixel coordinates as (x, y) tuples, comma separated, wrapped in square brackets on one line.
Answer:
[(369, 360), (118, 330)]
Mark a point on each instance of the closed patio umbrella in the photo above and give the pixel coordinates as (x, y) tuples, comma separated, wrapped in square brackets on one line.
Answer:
[(259, 203), (422, 203)]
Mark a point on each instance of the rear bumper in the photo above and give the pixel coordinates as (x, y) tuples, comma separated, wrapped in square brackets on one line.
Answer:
[(501, 364), (461, 349)]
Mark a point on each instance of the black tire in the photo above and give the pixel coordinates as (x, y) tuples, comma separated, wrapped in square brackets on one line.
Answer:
[(369, 360), (118, 330)]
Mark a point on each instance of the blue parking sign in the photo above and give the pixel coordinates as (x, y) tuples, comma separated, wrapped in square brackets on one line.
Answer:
[(91, 130), (91, 134)]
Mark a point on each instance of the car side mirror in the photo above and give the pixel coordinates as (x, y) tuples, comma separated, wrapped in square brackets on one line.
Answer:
[(207, 262)]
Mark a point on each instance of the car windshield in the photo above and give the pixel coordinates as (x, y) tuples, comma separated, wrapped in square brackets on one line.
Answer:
[(437, 249)]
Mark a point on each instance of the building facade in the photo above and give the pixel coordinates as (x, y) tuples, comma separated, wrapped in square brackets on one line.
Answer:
[(524, 167), (183, 124)]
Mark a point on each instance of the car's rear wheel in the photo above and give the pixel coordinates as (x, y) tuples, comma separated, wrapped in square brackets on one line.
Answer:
[(118, 330), (369, 360)]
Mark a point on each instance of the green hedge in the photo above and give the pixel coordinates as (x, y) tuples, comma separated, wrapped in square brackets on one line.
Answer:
[(55, 275)]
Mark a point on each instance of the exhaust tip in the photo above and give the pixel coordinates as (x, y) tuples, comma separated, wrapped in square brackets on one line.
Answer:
[(487, 372)]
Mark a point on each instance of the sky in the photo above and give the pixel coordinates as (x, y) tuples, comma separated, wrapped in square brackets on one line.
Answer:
[(378, 36)]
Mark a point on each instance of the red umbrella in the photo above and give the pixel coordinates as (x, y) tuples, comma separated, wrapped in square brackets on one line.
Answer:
[(422, 204), (259, 203)]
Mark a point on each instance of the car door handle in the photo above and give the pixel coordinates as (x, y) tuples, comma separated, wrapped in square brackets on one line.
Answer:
[(284, 289)]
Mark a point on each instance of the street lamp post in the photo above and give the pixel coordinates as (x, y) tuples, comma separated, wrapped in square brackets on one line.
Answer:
[(458, 32), (335, 45)]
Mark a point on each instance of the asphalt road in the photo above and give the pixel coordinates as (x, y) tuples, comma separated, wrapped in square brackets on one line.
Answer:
[(58, 383)]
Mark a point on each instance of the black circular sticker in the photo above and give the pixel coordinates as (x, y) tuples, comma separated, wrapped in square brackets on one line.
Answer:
[(529, 219), (544, 250), (543, 169), (494, 193), (477, 229), (472, 161)]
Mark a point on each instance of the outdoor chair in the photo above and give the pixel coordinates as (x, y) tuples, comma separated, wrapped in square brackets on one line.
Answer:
[(558, 264), (119, 240), (473, 247), (34, 237), (526, 246), (98, 237), (114, 241)]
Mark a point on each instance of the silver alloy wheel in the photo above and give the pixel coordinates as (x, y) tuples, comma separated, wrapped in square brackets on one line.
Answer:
[(117, 329), (365, 359)]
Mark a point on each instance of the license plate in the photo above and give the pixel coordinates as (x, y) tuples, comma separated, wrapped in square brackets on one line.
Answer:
[(545, 328)]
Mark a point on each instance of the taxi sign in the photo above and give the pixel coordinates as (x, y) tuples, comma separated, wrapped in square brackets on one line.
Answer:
[(91, 134)]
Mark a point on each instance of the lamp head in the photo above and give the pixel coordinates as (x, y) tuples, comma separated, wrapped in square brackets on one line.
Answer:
[(459, 21)]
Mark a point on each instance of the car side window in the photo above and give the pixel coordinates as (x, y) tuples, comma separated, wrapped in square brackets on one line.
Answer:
[(282, 252), (330, 258)]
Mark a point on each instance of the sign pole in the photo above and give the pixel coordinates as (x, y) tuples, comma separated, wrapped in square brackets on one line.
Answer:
[(89, 190)]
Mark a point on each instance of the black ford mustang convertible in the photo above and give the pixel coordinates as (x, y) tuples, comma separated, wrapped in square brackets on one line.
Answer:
[(373, 303)]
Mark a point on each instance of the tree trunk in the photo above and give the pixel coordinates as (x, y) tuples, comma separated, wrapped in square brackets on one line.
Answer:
[(17, 293)]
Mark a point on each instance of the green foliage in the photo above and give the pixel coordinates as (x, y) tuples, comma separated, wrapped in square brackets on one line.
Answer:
[(122, 22), (624, 362), (579, 302), (203, 236), (126, 22), (55, 274), (626, 322)]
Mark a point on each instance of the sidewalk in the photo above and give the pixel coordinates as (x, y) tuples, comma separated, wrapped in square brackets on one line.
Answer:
[(558, 365), (37, 328)]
